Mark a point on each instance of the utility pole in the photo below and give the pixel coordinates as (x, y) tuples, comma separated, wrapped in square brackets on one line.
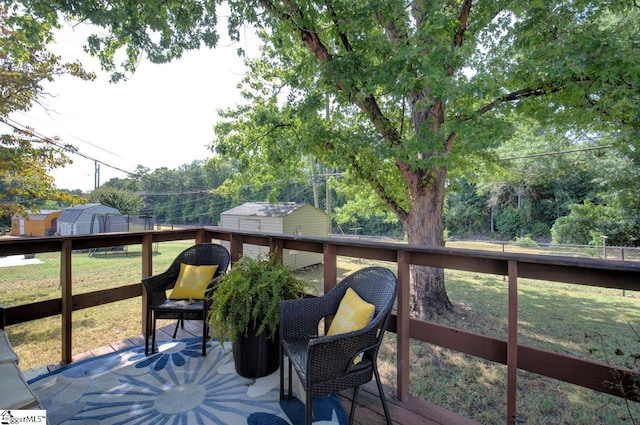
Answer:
[(316, 202), (96, 175), (328, 193)]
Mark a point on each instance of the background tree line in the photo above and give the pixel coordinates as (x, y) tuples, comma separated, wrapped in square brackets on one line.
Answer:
[(572, 196)]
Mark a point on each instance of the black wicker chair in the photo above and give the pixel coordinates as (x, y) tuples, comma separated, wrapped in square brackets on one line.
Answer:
[(156, 286), (325, 364)]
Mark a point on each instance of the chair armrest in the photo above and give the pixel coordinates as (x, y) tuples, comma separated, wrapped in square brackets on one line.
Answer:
[(300, 318), (156, 287)]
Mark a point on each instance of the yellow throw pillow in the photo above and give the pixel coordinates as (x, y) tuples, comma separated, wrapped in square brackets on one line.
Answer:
[(353, 314), (192, 282)]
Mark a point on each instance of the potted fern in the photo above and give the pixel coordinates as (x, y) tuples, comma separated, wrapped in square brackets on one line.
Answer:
[(245, 310)]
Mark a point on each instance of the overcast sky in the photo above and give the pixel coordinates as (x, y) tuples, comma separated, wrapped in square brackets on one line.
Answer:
[(163, 116)]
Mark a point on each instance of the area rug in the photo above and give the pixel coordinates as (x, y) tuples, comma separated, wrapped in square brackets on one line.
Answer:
[(174, 386)]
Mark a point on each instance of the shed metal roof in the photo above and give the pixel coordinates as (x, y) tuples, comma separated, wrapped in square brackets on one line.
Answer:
[(82, 207), (42, 215), (264, 209), (72, 214)]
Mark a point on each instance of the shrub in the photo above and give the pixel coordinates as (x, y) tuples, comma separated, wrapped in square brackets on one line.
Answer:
[(526, 242), (509, 222), (540, 230), (577, 227)]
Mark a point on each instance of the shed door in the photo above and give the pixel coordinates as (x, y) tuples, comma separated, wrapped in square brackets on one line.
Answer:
[(249, 224)]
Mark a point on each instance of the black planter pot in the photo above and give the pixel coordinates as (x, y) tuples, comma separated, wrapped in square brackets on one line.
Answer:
[(256, 356)]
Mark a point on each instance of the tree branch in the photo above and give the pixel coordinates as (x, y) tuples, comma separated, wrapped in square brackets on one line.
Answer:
[(458, 37), (378, 188), (463, 20), (310, 38), (393, 33), (343, 37), (517, 95)]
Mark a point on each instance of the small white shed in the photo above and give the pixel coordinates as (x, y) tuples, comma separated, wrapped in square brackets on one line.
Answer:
[(289, 218), (90, 219)]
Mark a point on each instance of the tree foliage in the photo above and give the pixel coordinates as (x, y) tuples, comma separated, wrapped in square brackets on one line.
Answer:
[(25, 157), (185, 195), (467, 210), (417, 89), (612, 210), (125, 202)]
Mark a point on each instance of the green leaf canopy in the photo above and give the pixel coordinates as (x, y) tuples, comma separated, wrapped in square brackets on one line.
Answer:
[(417, 89)]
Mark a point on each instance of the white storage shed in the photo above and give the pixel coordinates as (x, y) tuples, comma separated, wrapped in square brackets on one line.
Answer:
[(288, 218), (90, 219)]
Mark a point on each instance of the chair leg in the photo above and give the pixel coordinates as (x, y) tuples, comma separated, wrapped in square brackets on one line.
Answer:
[(382, 397), (354, 401), (308, 407), (175, 331), (205, 335), (147, 328), (282, 373), (153, 335), (290, 380)]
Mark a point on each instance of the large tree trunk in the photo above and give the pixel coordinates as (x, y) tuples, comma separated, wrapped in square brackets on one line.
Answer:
[(424, 226)]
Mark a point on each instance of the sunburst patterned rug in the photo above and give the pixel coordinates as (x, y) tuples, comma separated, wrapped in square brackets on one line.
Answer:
[(174, 386)]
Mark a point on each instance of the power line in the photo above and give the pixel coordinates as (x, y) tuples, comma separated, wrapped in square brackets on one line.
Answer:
[(186, 192), (209, 194), (42, 138), (535, 155), (45, 139), (77, 138), (72, 150)]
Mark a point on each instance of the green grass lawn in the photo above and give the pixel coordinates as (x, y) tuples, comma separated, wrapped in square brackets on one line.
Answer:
[(39, 343), (587, 322)]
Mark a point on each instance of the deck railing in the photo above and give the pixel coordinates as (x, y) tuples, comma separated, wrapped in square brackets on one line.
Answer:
[(581, 271)]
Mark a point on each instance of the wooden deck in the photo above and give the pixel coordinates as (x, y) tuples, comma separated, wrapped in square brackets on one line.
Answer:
[(368, 412)]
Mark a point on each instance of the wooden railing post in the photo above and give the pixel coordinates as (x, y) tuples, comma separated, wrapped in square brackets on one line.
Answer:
[(330, 260), (66, 300), (404, 331), (276, 247), (147, 270), (236, 247), (512, 343), (330, 266), (202, 236)]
